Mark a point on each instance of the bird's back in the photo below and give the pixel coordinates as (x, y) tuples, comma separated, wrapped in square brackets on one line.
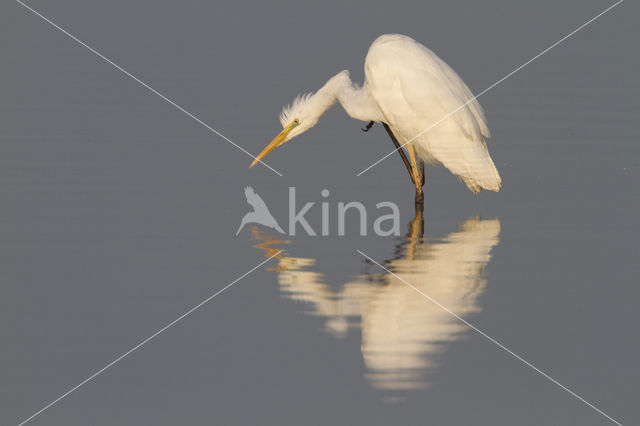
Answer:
[(416, 91)]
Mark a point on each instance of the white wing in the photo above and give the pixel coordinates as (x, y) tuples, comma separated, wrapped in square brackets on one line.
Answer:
[(428, 84), (416, 90)]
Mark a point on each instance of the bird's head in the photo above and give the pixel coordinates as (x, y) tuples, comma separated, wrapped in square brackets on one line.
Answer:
[(297, 118)]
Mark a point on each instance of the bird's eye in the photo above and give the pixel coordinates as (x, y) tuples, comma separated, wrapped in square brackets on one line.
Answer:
[(296, 122)]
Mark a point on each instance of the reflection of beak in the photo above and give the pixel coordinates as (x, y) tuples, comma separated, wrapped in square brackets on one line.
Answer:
[(279, 140)]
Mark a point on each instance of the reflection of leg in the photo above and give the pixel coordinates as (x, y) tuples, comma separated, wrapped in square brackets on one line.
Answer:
[(416, 230), (417, 178), (419, 219), (399, 149)]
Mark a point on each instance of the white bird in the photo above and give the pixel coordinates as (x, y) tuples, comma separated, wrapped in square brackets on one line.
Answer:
[(409, 89)]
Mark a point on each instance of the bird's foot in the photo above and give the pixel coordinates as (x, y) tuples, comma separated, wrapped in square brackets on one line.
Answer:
[(368, 126)]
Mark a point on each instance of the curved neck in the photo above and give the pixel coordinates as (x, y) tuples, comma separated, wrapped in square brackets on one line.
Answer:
[(356, 101)]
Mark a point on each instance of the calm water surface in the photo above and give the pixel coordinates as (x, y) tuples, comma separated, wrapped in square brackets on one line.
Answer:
[(120, 212)]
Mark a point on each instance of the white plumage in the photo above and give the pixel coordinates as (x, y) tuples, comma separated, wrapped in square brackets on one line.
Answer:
[(415, 89), (411, 89)]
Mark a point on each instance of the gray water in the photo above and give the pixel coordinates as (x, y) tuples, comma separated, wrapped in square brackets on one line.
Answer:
[(119, 214)]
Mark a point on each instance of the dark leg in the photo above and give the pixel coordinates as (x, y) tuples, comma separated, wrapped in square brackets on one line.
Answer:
[(368, 126), (412, 173), (405, 160)]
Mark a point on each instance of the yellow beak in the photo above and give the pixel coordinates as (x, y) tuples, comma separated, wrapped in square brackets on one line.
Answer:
[(279, 140)]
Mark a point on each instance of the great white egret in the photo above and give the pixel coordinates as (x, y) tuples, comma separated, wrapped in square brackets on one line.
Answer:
[(408, 88)]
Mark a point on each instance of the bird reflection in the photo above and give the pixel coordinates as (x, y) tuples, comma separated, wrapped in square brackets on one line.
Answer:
[(404, 335)]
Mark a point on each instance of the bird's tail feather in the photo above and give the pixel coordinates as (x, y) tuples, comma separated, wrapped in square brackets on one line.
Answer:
[(470, 161), (484, 175)]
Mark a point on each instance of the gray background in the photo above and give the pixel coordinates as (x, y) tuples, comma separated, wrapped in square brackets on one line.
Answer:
[(119, 212)]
